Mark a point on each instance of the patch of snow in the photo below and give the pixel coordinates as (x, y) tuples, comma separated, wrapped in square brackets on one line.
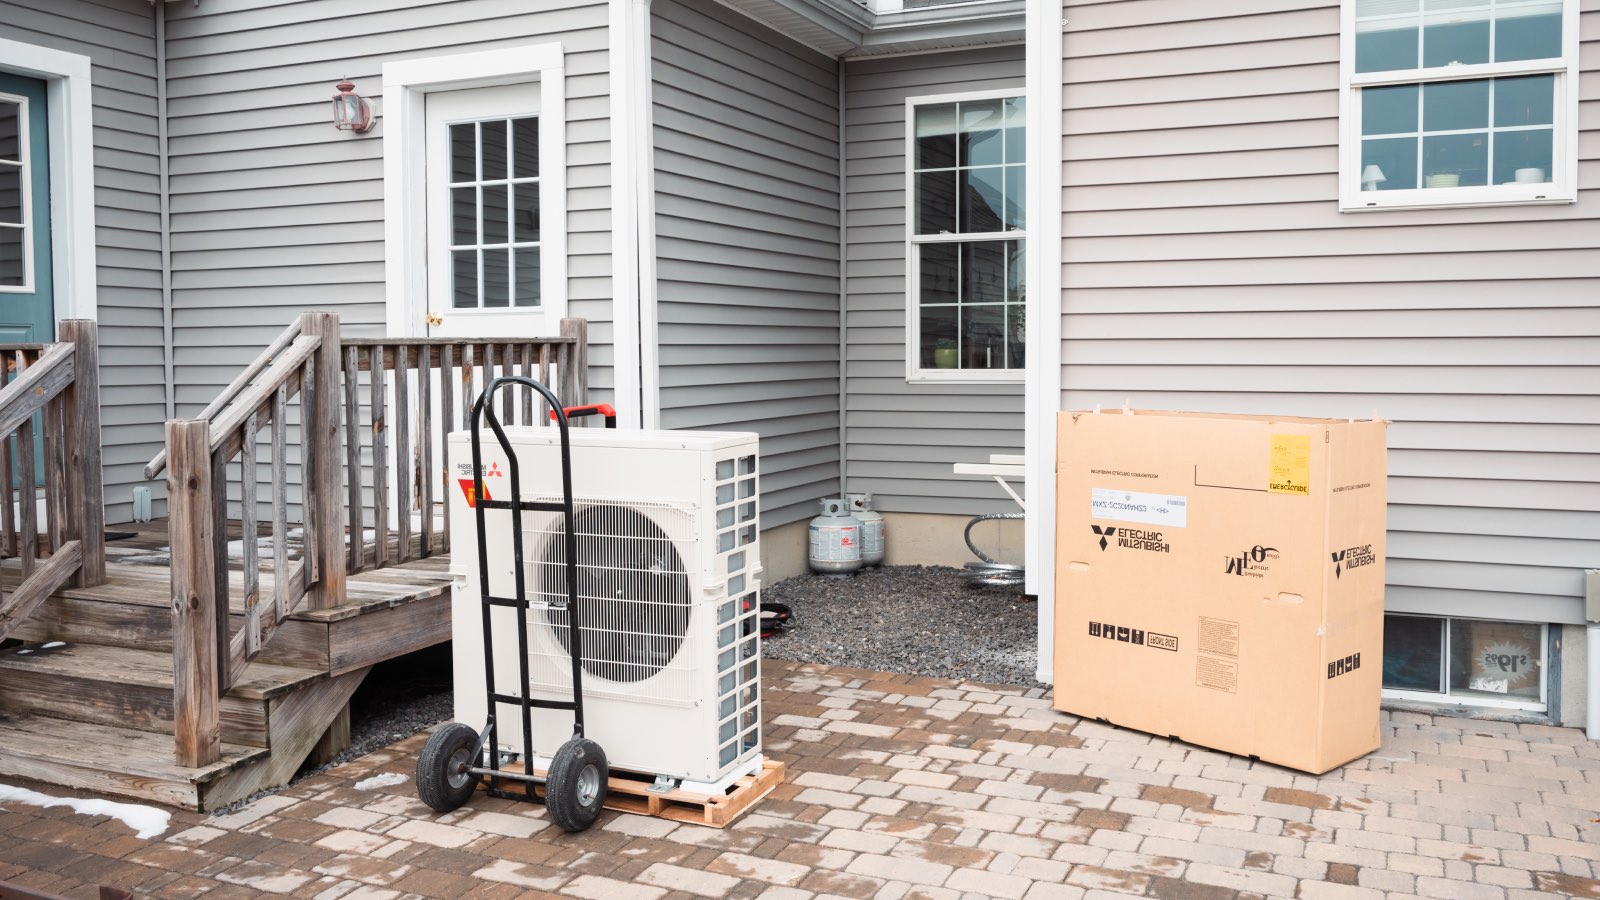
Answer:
[(387, 779), (53, 644), (146, 821)]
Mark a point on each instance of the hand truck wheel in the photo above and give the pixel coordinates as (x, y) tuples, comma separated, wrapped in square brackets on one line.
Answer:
[(443, 782), (575, 789)]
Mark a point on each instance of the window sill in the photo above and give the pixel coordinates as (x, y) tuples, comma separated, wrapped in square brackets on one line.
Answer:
[(1456, 198), (967, 376), (1462, 704)]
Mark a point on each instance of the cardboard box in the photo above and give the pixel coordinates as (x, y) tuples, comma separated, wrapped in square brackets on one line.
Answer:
[(1219, 579)]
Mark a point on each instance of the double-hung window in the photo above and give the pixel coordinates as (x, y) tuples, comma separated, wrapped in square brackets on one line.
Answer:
[(1458, 102), (966, 237)]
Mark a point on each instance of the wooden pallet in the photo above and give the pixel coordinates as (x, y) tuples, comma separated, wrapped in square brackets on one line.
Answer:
[(630, 793)]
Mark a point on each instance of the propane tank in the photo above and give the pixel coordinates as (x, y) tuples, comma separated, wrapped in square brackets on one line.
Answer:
[(873, 546), (835, 540)]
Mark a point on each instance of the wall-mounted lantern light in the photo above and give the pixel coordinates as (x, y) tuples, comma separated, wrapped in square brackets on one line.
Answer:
[(351, 111)]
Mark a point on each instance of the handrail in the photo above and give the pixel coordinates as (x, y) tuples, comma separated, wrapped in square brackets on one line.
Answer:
[(348, 392), (58, 385), (301, 365), (159, 462)]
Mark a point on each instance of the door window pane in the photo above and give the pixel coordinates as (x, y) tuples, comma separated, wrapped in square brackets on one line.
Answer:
[(526, 260), (496, 277), (10, 131), (464, 279), (464, 152), (525, 147), (464, 215), (1413, 653), (1496, 659), (496, 213), (525, 215), (494, 150), (13, 272), (10, 194)]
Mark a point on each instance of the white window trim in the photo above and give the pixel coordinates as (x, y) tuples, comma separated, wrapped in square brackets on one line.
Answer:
[(1564, 167), (69, 109), (406, 84), (914, 373), (25, 186)]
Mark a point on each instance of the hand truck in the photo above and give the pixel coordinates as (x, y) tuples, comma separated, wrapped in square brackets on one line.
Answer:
[(457, 757)]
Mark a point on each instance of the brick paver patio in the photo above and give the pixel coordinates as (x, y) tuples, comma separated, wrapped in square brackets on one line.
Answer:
[(902, 788)]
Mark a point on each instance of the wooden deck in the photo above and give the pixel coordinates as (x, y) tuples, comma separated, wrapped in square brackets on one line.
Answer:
[(87, 700)]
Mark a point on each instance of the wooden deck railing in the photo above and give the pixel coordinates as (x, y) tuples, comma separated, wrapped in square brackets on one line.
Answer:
[(395, 459), (300, 368), (360, 463), (60, 384)]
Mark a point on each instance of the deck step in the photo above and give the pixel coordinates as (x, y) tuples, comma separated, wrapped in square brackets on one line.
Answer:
[(109, 760), (132, 688)]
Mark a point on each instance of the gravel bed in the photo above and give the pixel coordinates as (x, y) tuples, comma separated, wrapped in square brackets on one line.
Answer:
[(919, 620)]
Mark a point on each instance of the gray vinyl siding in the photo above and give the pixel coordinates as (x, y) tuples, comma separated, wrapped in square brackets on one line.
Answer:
[(1206, 266), (747, 241), (902, 438), (118, 36), (274, 212)]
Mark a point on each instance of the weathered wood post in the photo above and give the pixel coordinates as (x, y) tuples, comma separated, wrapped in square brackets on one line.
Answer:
[(85, 492), (574, 375), (323, 477), (196, 663)]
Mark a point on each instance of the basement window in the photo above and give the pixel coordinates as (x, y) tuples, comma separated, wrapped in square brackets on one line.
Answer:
[(1469, 661)]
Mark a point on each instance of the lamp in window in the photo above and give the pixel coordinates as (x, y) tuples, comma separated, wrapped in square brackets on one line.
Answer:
[(351, 111), (1371, 177)]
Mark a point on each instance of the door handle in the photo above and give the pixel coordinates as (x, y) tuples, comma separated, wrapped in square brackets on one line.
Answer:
[(435, 319)]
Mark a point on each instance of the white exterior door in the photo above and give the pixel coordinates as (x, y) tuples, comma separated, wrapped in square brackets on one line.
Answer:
[(484, 205)]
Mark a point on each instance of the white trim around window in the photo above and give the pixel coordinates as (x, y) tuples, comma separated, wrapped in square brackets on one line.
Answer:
[(70, 111), (1558, 184), (405, 86), (915, 372)]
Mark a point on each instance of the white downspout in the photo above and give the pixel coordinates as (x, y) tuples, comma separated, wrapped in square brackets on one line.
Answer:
[(1592, 722)]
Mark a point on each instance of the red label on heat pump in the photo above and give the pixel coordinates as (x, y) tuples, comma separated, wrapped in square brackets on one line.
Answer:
[(471, 491)]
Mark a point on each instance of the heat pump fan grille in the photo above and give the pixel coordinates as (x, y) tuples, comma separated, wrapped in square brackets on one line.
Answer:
[(635, 590)]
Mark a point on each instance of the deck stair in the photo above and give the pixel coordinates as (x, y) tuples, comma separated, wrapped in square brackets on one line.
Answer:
[(191, 667)]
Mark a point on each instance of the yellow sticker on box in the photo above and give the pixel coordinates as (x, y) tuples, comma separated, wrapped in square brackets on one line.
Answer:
[(1289, 470)]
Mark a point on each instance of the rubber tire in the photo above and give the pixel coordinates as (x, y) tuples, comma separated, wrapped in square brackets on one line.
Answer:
[(439, 785), (574, 806)]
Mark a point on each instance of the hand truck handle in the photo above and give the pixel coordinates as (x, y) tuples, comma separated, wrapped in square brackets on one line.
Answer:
[(593, 409)]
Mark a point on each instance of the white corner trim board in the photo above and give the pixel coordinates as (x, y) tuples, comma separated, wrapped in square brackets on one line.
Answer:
[(1042, 388), (146, 821), (70, 109), (406, 84)]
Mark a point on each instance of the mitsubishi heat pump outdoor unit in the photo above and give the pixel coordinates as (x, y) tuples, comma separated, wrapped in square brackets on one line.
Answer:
[(668, 567)]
